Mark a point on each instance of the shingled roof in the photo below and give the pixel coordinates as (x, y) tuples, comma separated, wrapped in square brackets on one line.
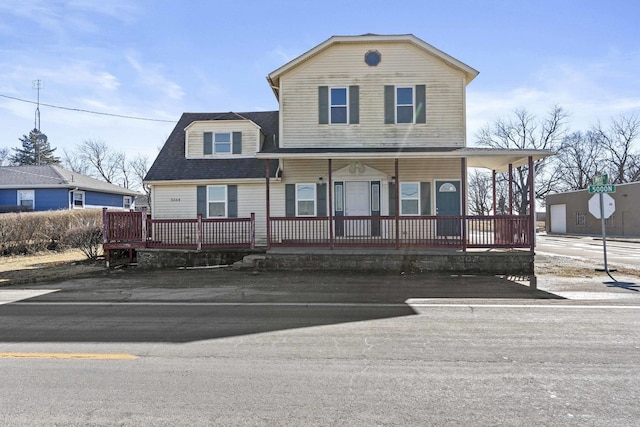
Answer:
[(52, 176), (171, 164)]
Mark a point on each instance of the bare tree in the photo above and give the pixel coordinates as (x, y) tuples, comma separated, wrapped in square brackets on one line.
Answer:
[(623, 163), (104, 162), (480, 192), (74, 162), (579, 157), (524, 131), (4, 156), (139, 167)]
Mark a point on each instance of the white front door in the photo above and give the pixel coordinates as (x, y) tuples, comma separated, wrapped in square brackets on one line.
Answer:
[(356, 203)]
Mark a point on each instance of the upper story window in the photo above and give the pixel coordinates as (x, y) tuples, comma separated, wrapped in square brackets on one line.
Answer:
[(222, 143), (126, 202), (339, 105), (26, 198), (404, 105)]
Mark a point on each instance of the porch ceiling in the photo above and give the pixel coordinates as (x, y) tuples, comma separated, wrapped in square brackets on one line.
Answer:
[(489, 158)]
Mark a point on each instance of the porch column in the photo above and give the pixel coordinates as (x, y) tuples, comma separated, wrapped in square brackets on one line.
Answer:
[(463, 195), (267, 193), (397, 204), (510, 189), (329, 194), (495, 212), (532, 206)]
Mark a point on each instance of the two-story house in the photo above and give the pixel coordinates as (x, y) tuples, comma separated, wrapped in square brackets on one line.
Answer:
[(368, 148)]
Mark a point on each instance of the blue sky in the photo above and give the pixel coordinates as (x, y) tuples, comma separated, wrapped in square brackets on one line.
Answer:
[(157, 59)]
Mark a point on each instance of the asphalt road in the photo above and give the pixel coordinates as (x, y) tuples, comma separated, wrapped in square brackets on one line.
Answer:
[(620, 254), (219, 348)]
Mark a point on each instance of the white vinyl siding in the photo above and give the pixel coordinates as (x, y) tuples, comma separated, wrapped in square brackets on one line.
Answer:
[(251, 136), (403, 65), (180, 201), (174, 201)]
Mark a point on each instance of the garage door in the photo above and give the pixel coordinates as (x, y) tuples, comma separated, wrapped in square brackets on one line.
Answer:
[(559, 219)]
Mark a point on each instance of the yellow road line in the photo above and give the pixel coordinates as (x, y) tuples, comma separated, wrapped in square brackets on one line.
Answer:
[(92, 356)]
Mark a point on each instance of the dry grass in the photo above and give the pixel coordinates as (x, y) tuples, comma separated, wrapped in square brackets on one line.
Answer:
[(46, 266)]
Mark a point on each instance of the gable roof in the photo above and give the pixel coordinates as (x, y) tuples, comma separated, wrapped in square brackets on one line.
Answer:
[(53, 176), (274, 76), (171, 164)]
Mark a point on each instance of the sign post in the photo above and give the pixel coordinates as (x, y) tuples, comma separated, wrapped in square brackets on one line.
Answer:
[(601, 187)]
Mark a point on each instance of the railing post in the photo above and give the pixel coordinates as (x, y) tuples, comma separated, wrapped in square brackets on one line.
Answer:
[(253, 230), (105, 226), (143, 218), (532, 206), (199, 237), (268, 207), (397, 204), (463, 198)]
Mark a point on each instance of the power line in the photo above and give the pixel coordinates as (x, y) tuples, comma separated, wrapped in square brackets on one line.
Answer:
[(89, 111)]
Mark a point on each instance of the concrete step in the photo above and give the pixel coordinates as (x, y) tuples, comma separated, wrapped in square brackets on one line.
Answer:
[(253, 261)]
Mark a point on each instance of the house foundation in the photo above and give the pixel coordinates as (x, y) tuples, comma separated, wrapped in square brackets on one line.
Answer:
[(386, 261), (393, 261)]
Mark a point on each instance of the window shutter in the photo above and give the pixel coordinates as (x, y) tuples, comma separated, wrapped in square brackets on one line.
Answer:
[(425, 198), (323, 105), (232, 201), (208, 143), (389, 105), (421, 104), (354, 105), (392, 198), (321, 199), (290, 200), (237, 142), (202, 199)]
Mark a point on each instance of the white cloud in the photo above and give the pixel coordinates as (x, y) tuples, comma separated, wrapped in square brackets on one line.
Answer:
[(151, 77)]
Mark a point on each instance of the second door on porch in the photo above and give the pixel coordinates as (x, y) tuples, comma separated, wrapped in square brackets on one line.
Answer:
[(361, 199)]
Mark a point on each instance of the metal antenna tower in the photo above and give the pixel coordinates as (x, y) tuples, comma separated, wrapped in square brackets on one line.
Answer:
[(37, 85)]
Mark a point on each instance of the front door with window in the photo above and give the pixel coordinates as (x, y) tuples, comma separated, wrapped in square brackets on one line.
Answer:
[(448, 204), (357, 203)]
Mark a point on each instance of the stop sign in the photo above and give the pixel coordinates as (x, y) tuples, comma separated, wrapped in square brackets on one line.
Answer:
[(608, 205)]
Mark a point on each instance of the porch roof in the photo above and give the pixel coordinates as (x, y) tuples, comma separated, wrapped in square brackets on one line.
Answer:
[(497, 159)]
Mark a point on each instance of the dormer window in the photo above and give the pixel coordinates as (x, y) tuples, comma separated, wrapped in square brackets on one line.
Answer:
[(222, 143)]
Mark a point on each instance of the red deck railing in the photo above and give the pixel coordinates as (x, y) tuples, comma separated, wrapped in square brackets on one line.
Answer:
[(134, 229), (501, 231)]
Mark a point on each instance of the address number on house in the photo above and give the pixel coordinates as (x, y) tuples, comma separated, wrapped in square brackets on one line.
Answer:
[(175, 199)]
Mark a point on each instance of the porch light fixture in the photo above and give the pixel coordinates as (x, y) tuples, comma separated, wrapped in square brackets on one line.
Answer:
[(393, 179), (320, 180)]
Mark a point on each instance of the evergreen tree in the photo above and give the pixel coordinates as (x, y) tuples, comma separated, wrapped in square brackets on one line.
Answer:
[(35, 150)]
